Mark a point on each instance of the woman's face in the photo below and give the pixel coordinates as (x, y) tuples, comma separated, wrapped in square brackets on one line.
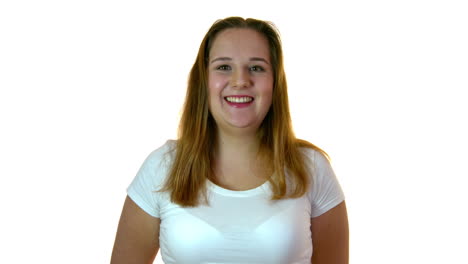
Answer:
[(240, 79)]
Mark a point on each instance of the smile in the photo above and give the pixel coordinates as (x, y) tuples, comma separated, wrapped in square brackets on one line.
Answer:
[(236, 99)]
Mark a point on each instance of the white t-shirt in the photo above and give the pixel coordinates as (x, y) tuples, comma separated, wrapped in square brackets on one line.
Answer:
[(238, 226)]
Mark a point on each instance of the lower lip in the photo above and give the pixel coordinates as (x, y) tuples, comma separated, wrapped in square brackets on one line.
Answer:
[(239, 105)]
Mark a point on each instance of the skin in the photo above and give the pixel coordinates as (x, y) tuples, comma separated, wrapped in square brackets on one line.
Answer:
[(137, 239), (330, 236), (239, 63)]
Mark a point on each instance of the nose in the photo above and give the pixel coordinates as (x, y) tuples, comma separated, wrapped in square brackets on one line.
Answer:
[(240, 79)]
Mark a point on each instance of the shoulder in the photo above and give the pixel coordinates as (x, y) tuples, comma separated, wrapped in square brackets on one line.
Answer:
[(325, 191), (315, 158), (318, 165), (162, 156), (151, 177), (157, 163), (164, 151)]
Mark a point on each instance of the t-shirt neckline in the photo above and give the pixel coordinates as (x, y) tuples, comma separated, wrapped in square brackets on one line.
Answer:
[(246, 193)]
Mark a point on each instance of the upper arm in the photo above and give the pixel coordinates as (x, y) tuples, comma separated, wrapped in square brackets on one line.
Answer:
[(137, 239), (330, 236)]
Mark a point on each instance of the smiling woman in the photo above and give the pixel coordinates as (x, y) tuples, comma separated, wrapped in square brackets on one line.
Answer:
[(240, 80), (237, 186)]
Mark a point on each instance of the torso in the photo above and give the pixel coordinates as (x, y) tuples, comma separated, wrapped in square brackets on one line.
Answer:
[(237, 227)]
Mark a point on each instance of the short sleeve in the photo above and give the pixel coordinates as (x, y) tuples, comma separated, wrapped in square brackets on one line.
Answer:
[(325, 192), (149, 179)]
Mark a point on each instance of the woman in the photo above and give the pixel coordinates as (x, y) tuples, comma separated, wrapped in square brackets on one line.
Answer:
[(237, 186)]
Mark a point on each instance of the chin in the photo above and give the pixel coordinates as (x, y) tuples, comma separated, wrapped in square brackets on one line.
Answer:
[(246, 126)]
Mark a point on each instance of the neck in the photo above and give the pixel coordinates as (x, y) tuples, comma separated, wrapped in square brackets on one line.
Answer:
[(236, 147), (237, 161)]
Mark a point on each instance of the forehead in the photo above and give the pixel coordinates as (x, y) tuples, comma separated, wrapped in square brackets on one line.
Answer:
[(240, 42)]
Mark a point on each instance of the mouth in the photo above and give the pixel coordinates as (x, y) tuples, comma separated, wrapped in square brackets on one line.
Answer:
[(239, 101)]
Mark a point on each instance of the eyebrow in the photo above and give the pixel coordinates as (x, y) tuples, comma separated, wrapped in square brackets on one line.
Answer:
[(229, 59)]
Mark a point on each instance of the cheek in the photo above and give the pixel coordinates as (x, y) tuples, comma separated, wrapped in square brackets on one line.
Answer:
[(215, 84), (267, 90)]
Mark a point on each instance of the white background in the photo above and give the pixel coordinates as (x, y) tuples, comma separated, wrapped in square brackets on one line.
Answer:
[(89, 88)]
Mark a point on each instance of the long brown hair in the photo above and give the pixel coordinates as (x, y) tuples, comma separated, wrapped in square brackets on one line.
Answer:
[(192, 164)]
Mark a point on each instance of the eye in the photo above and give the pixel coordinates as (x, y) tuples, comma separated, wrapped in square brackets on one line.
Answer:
[(223, 67), (257, 68)]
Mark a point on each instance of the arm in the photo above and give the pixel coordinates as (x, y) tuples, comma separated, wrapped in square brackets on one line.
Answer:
[(330, 236), (137, 239)]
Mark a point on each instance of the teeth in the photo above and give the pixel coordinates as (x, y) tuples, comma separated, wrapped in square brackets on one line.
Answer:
[(239, 99)]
